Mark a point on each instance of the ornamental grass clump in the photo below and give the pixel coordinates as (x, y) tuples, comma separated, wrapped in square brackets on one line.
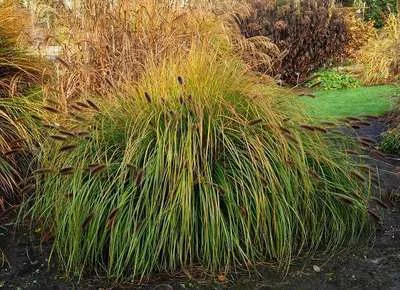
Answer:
[(20, 72), (18, 132), (200, 165)]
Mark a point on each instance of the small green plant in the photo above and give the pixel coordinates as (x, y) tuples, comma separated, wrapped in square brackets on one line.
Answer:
[(333, 80), (391, 141)]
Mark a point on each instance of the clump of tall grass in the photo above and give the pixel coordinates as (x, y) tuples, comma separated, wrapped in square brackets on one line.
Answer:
[(19, 73), (380, 56), (199, 164), (104, 44)]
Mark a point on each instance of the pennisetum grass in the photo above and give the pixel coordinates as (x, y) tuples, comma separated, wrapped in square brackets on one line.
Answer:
[(196, 163)]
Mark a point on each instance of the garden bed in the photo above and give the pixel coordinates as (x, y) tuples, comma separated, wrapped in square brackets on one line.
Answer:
[(374, 266), (156, 157)]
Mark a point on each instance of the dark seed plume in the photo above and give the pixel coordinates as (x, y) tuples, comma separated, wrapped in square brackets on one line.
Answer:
[(66, 170), (68, 147), (87, 221), (148, 97), (255, 122), (93, 105), (95, 168), (41, 171), (51, 109), (58, 137), (380, 202), (181, 81)]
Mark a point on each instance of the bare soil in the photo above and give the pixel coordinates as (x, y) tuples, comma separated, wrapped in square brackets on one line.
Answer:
[(376, 266)]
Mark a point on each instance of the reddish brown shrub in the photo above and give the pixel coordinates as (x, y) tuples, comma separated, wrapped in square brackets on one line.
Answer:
[(312, 33)]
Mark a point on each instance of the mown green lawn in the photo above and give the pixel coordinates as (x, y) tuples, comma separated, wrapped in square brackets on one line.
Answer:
[(332, 105)]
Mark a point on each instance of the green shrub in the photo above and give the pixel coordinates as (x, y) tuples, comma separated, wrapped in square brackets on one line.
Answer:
[(391, 141), (333, 80), (378, 10), (204, 169)]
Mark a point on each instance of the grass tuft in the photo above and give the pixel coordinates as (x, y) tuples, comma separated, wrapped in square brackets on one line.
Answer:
[(211, 171), (19, 74), (391, 141)]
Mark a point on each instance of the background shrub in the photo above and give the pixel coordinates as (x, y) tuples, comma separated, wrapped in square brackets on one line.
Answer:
[(333, 80), (359, 31), (18, 70), (378, 10), (310, 33)]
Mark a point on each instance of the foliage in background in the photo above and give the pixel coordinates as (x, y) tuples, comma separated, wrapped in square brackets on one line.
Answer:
[(378, 10), (380, 57), (18, 69), (360, 32), (105, 45), (333, 80), (311, 33)]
